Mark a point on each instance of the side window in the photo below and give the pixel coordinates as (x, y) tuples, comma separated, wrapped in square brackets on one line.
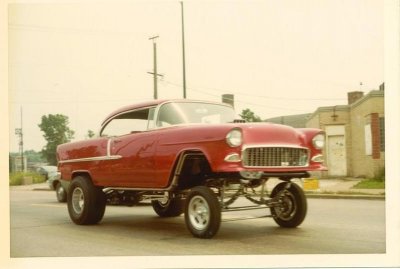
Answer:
[(128, 123)]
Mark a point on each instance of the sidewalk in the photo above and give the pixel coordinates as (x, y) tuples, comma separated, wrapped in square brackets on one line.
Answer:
[(343, 188), (32, 187)]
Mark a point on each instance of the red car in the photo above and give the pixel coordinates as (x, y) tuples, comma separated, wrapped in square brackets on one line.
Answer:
[(189, 157)]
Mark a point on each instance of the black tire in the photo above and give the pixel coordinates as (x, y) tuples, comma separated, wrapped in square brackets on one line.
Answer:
[(86, 202), (172, 208), (61, 193), (293, 205), (202, 212)]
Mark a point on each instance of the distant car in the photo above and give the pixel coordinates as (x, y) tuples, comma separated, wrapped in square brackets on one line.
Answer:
[(55, 184), (45, 170), (189, 157)]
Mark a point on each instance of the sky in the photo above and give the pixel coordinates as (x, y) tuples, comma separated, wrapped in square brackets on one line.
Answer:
[(86, 59)]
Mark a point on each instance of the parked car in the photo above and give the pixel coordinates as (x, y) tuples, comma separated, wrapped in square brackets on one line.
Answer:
[(45, 170), (189, 157), (55, 184)]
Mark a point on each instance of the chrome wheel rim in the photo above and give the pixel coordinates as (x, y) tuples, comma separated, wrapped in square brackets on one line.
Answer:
[(199, 212), (78, 201), (287, 207)]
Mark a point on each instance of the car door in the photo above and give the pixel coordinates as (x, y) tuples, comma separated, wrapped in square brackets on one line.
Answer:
[(136, 167), (136, 146)]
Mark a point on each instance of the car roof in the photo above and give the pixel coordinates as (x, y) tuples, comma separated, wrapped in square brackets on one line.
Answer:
[(132, 107), (150, 104)]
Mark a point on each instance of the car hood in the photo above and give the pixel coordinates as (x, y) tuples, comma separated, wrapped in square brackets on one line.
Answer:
[(253, 133), (268, 133)]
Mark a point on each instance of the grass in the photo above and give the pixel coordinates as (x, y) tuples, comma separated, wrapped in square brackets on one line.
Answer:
[(370, 184), (17, 178)]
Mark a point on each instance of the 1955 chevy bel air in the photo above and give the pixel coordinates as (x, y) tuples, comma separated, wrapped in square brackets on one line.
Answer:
[(189, 157)]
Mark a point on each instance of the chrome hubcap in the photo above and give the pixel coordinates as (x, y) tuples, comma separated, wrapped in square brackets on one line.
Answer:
[(199, 212), (78, 201)]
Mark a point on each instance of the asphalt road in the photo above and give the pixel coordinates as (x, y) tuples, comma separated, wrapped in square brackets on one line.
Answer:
[(40, 227)]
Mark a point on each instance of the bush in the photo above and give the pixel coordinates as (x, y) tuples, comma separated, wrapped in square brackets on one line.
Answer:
[(17, 178)]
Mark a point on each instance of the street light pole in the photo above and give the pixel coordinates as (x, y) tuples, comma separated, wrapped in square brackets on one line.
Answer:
[(21, 145), (183, 54)]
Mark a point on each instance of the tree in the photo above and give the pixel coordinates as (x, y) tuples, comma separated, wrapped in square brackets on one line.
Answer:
[(33, 156), (249, 116), (56, 132), (90, 134)]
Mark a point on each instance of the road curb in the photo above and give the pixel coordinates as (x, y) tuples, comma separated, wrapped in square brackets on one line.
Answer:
[(345, 196), (41, 189)]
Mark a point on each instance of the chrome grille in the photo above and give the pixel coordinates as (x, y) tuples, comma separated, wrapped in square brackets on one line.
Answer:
[(275, 157)]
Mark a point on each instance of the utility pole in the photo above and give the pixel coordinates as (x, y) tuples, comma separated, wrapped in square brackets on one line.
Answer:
[(154, 65), (19, 132), (154, 73), (22, 144), (183, 54)]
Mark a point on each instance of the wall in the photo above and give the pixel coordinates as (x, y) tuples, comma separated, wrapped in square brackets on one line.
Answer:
[(359, 124), (331, 119), (366, 112)]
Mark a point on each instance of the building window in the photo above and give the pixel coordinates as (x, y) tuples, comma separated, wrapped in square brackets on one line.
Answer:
[(368, 139), (382, 133)]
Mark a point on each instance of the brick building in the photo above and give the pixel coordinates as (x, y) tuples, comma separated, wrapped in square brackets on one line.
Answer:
[(355, 135)]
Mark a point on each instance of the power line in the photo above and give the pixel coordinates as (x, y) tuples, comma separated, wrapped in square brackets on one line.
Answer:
[(238, 101), (259, 96)]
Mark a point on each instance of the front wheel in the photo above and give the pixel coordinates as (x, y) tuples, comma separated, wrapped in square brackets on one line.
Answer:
[(61, 194), (86, 202), (291, 208), (202, 212)]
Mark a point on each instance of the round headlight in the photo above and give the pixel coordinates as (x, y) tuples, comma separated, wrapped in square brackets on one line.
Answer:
[(234, 138), (318, 141)]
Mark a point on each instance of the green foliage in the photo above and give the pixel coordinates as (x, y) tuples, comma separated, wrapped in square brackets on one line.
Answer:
[(90, 134), (34, 156), (56, 132), (17, 178), (370, 184), (249, 116)]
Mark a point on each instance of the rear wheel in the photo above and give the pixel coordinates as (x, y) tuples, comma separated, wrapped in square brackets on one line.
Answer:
[(86, 202), (202, 212), (172, 207), (292, 207)]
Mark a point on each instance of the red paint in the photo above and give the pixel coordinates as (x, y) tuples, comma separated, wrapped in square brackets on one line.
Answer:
[(147, 158)]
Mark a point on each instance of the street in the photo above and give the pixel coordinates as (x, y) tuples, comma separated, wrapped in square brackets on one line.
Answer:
[(40, 227)]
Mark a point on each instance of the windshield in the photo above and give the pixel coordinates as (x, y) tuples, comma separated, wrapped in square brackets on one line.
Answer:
[(193, 112)]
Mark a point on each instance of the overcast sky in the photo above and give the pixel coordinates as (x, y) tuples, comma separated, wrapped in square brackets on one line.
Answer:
[(86, 59)]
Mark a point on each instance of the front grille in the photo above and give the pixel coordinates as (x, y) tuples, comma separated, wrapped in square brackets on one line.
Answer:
[(275, 157)]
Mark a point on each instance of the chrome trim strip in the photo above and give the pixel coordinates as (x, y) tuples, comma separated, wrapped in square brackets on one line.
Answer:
[(109, 147), (99, 158), (91, 159), (274, 146)]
